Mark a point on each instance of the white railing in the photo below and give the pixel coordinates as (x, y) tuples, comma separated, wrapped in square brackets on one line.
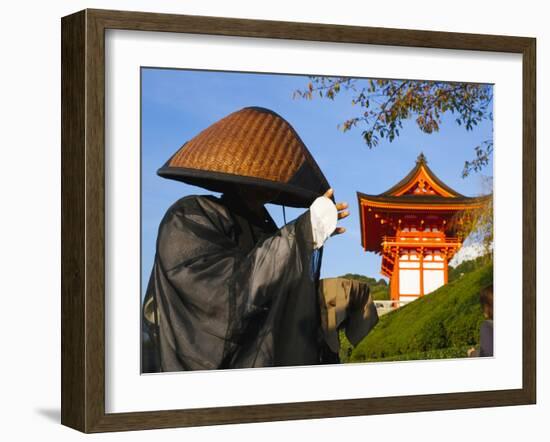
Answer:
[(383, 306)]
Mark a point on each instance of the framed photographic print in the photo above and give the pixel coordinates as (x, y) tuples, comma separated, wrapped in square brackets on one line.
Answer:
[(270, 220)]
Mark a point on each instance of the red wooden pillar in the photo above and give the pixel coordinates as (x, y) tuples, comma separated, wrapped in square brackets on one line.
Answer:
[(421, 271)]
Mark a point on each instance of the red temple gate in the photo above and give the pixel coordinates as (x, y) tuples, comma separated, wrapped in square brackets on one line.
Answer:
[(414, 226)]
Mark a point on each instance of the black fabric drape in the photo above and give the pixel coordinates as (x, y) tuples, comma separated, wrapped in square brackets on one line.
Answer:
[(229, 289)]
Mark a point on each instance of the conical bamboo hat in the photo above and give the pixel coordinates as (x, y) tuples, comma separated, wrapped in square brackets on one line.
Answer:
[(254, 147)]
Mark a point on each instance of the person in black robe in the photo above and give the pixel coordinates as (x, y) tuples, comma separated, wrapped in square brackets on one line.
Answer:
[(228, 288)]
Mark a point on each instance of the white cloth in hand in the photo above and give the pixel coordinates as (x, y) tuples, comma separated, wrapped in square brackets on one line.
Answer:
[(323, 220)]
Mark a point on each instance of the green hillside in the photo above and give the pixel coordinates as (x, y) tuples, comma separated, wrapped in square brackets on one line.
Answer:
[(443, 324), (468, 267)]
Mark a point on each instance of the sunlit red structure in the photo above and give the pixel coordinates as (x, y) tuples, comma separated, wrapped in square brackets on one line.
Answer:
[(414, 226)]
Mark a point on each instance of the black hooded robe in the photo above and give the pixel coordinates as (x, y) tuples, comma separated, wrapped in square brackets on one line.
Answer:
[(229, 289)]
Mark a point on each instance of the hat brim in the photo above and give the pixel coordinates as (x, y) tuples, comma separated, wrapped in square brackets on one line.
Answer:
[(288, 194)]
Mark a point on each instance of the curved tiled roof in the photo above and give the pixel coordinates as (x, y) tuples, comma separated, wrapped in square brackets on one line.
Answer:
[(421, 165)]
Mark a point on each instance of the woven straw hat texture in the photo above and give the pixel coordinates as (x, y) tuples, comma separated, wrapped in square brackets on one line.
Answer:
[(253, 143)]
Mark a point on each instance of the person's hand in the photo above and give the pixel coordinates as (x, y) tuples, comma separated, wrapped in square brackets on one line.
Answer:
[(471, 351), (340, 207)]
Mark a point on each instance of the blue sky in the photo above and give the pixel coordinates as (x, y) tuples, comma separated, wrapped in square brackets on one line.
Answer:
[(178, 104)]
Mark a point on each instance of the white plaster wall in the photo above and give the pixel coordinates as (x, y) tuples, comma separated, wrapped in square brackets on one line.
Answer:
[(433, 279)]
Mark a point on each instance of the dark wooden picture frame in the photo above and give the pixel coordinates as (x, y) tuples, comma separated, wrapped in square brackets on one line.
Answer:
[(83, 220)]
